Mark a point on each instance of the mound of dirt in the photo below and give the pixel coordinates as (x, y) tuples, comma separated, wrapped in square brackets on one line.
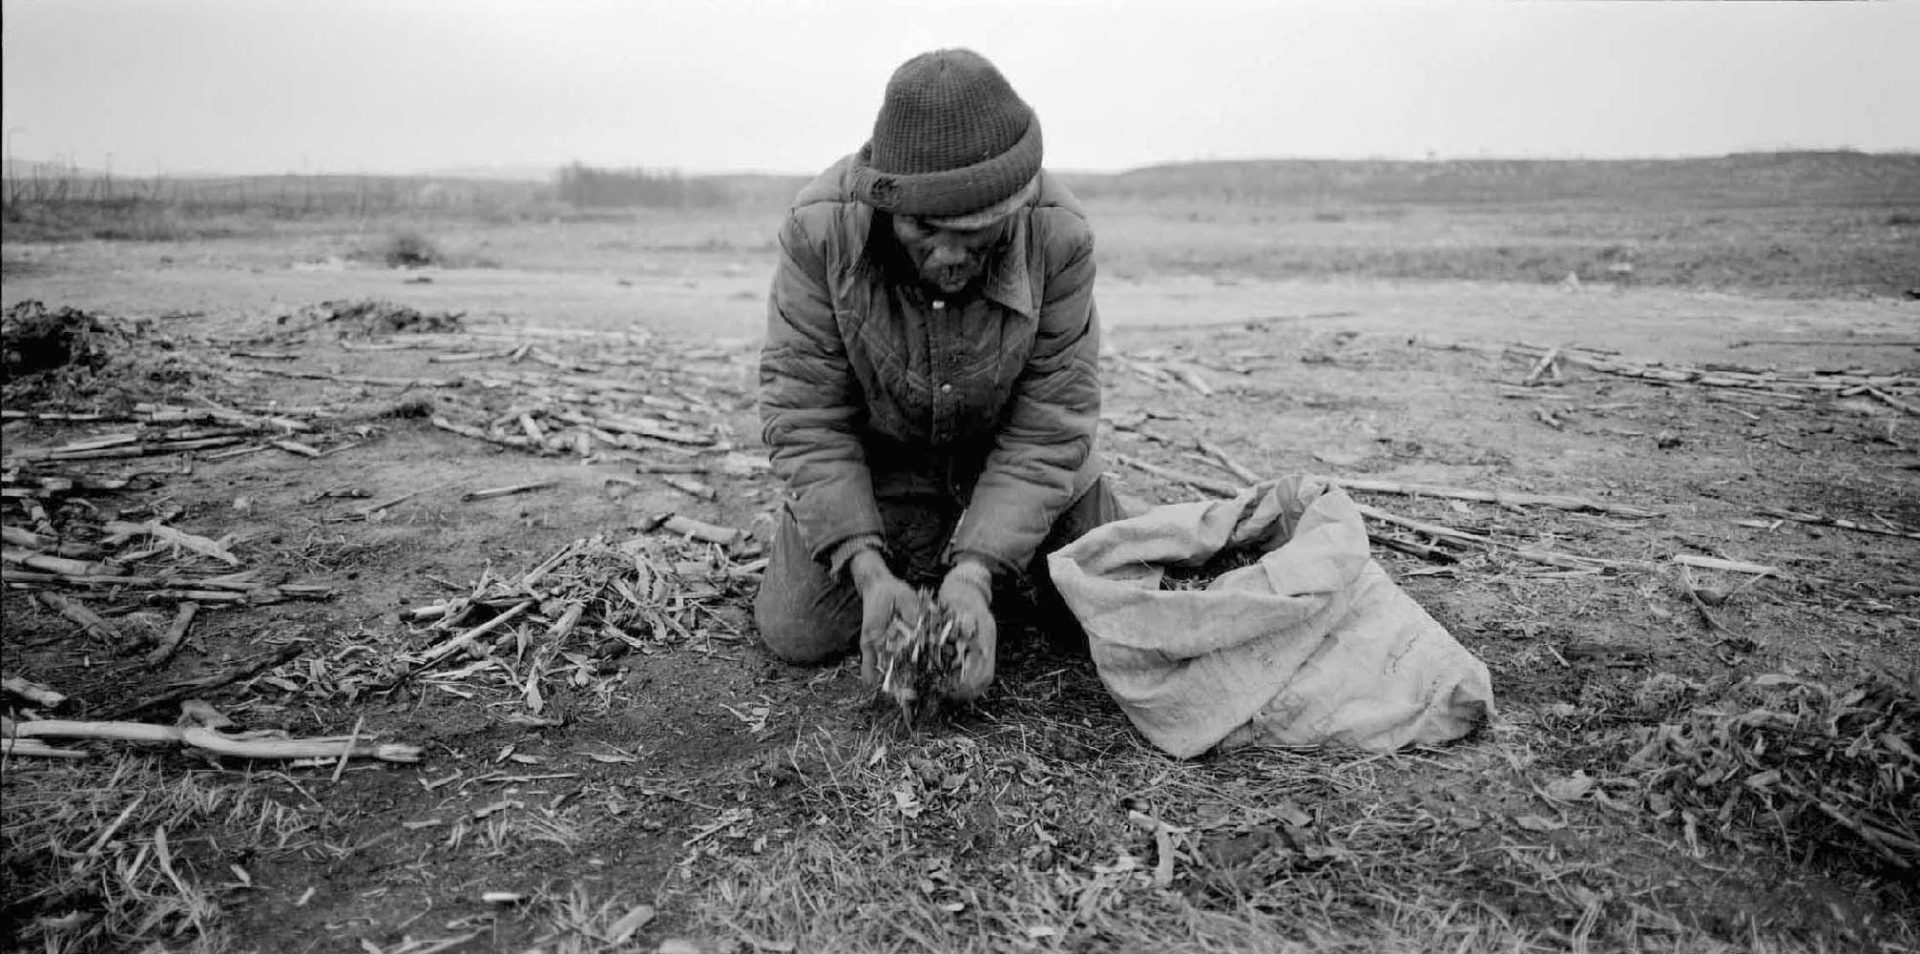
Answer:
[(370, 318), (72, 358), (36, 339)]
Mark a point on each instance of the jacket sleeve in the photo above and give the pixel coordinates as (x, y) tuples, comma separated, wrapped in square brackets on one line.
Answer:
[(811, 406), (1047, 433)]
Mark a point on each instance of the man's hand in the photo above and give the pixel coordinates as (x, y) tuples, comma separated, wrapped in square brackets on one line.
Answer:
[(883, 597), (966, 595)]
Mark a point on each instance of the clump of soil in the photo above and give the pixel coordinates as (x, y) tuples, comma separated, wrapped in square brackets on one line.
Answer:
[(370, 317)]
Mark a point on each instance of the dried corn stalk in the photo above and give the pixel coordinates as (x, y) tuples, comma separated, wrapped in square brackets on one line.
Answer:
[(1833, 766), (920, 663)]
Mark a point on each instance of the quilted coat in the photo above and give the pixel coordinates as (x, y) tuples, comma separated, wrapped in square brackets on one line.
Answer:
[(870, 380)]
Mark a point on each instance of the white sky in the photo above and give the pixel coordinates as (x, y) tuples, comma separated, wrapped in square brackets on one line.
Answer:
[(722, 85)]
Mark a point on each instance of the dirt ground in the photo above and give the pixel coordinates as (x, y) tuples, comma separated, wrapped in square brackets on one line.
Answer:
[(718, 800)]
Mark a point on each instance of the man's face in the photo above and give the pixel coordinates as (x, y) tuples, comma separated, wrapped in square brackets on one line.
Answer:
[(947, 260)]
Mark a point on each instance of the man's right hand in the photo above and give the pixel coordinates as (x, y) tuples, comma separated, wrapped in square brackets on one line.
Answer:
[(883, 597)]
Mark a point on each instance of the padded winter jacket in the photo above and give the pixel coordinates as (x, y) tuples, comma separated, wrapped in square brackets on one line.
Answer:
[(870, 380)]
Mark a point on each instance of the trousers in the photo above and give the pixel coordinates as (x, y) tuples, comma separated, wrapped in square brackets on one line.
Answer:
[(806, 616)]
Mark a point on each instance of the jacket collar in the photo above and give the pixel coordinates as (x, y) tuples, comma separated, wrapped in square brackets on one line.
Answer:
[(1008, 281)]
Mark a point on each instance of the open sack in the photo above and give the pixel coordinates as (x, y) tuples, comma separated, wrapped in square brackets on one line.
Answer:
[(1312, 644)]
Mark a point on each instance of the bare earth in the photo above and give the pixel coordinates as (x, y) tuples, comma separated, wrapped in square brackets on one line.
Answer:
[(755, 806)]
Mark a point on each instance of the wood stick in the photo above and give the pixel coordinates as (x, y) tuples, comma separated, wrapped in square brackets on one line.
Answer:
[(1565, 561), (1540, 367), (409, 495), (1417, 549), (467, 430), (1834, 342), (507, 491), (698, 529), (1502, 498), (60, 566), (532, 427), (538, 573), (295, 447), (673, 467), (1226, 460), (467, 638), (89, 621), (216, 742), (1192, 379), (118, 531), (642, 427), (1430, 529), (1839, 522), (1731, 566), (216, 681), (70, 416), (33, 692), (27, 539), (358, 379), (1892, 401), (1208, 485), (543, 657), (145, 450), (38, 749), (688, 485), (175, 633)]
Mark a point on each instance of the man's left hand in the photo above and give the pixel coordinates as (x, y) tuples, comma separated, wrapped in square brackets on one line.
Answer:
[(966, 594)]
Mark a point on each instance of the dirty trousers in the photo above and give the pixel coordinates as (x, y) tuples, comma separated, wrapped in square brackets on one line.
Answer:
[(806, 616)]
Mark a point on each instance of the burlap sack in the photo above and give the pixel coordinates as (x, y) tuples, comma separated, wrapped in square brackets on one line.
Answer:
[(1313, 644)]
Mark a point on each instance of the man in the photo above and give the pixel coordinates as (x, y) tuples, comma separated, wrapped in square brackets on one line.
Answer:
[(930, 384)]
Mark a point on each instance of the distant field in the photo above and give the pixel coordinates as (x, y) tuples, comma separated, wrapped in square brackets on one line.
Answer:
[(1795, 224)]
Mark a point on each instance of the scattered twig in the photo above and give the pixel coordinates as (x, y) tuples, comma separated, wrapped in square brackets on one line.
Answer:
[(357, 379), (1430, 529), (1731, 566), (681, 525), (508, 490), (1833, 342), (244, 747), (175, 633), (468, 637), (1226, 460), (33, 692), (409, 495), (1498, 497), (216, 681), (1209, 485), (88, 620), (1892, 401), (1838, 522), (1541, 367)]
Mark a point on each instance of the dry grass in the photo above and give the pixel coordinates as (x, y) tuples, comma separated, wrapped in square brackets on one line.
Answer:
[(1048, 826), (117, 855)]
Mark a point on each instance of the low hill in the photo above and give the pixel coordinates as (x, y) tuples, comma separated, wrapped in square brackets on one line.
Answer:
[(1747, 179)]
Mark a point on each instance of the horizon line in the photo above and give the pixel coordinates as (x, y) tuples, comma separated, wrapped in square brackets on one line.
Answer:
[(480, 171)]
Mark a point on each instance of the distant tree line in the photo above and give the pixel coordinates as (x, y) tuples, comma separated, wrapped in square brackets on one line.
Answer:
[(584, 186)]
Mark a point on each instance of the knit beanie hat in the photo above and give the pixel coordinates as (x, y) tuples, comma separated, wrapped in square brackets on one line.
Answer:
[(952, 138)]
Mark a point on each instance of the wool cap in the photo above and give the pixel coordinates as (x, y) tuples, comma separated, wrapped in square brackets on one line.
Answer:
[(952, 139)]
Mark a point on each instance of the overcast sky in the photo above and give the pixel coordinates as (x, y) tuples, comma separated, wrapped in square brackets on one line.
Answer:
[(725, 85)]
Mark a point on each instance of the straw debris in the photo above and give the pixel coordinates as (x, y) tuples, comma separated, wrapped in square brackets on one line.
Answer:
[(920, 660), (1813, 764)]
